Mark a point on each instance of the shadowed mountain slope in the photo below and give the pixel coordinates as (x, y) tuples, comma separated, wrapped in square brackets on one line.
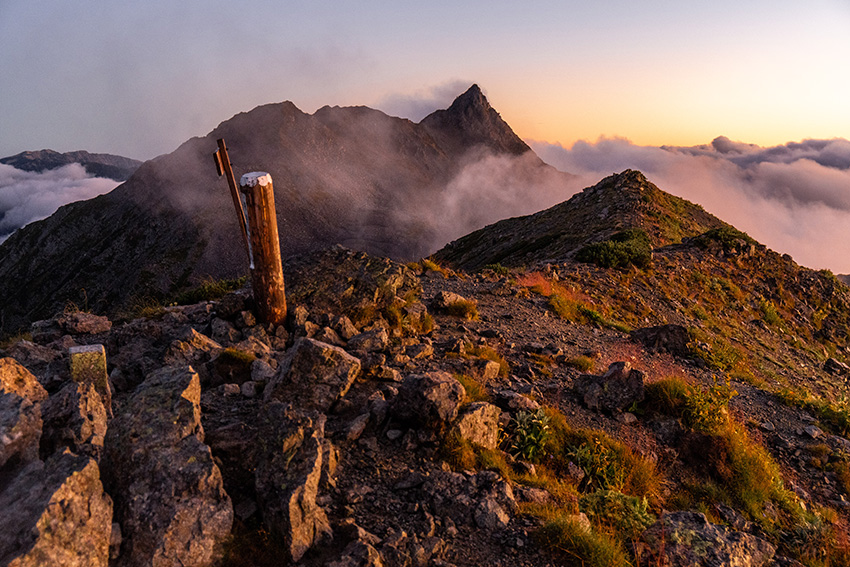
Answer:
[(352, 176)]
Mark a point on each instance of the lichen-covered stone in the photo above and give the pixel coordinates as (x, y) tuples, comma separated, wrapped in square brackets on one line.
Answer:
[(688, 539), (56, 513), (479, 424), (288, 473), (169, 497), (314, 374), (431, 399)]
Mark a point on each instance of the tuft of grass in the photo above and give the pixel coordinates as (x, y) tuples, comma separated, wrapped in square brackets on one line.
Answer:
[(668, 395), (498, 269), (430, 265), (583, 363), (209, 290), (769, 314), (475, 392), (489, 353), (580, 545), (463, 308)]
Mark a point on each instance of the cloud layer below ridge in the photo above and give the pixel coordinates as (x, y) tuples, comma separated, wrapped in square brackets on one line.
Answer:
[(794, 198), (27, 196)]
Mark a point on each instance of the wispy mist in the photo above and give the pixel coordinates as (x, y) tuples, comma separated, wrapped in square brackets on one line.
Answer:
[(417, 105), (794, 198), (28, 196)]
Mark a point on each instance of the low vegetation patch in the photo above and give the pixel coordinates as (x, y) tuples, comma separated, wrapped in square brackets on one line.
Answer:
[(580, 545), (209, 290), (463, 308), (624, 249), (475, 392), (834, 416), (567, 303)]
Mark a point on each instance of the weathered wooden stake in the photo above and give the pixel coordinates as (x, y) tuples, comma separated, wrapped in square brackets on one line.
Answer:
[(264, 251)]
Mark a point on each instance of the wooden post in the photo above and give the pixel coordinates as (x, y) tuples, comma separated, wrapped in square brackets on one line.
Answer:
[(264, 250)]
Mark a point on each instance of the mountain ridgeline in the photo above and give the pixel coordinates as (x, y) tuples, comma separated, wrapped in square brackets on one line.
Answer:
[(353, 176), (117, 168)]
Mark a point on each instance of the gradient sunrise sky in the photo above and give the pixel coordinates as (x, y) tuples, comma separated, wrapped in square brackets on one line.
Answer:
[(139, 78)]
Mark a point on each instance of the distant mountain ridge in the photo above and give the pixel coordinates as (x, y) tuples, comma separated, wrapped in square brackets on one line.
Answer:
[(351, 175), (117, 168)]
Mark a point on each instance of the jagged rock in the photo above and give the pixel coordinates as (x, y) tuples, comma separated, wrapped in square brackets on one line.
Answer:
[(82, 323), (74, 417), (192, 348), (479, 424), (224, 332), (55, 513), (512, 401), (288, 474), (419, 351), (444, 299), (20, 413), (484, 370), (369, 341), (169, 497), (344, 327), (489, 515), (835, 367), (620, 387), (328, 335), (355, 429), (313, 373), (664, 338), (358, 553), (465, 500), (431, 399), (688, 539), (813, 431)]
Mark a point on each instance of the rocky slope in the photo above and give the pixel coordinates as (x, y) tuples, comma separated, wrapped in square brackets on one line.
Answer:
[(342, 175), (383, 424), (110, 166)]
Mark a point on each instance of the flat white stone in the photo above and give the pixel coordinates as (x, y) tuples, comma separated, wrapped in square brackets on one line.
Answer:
[(254, 178)]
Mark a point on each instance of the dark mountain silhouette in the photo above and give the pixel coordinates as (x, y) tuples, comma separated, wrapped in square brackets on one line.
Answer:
[(353, 176), (110, 166)]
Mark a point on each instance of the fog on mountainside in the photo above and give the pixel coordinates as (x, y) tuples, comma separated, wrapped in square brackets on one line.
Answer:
[(794, 198)]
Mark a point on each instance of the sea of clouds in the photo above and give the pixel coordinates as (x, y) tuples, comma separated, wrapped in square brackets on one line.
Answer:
[(795, 198), (27, 196)]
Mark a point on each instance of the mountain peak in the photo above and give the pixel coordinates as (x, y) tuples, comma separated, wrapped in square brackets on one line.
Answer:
[(471, 121)]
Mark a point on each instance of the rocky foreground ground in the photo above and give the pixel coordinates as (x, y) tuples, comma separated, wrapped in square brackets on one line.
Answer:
[(343, 437)]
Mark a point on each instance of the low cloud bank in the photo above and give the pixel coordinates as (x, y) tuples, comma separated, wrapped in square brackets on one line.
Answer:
[(28, 196), (794, 198)]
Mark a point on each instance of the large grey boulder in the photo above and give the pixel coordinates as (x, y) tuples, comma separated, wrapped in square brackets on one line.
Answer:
[(314, 374), (288, 473), (169, 498), (617, 389), (431, 399), (55, 513), (20, 413), (688, 539)]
